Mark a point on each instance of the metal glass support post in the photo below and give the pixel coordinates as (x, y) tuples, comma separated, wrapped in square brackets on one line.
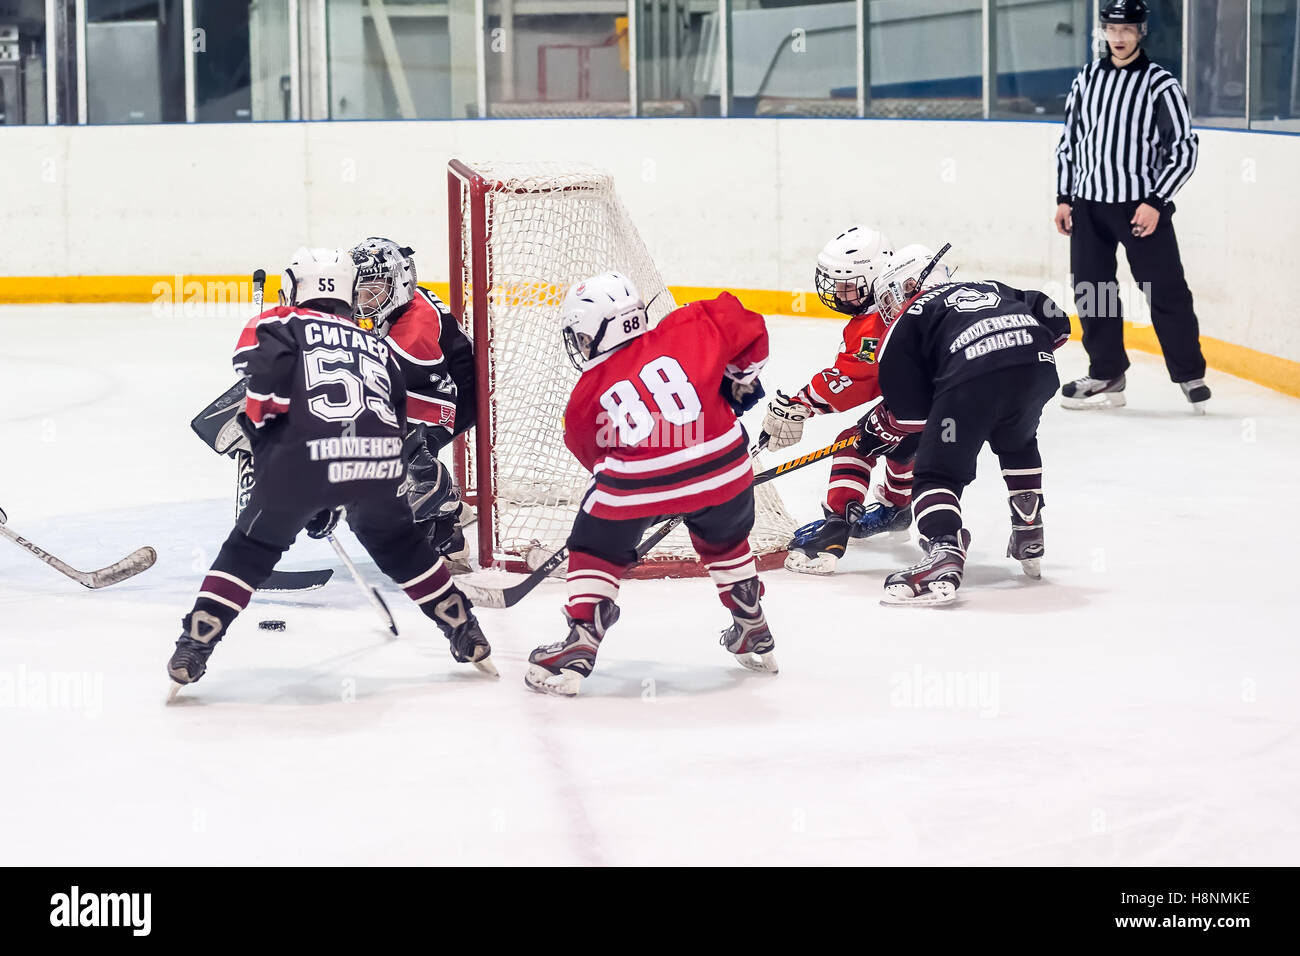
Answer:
[(863, 10), (989, 43), (724, 56), (187, 28), (634, 57)]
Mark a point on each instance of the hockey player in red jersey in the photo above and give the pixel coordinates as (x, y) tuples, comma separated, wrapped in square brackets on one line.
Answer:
[(846, 268), (653, 417), (436, 360), (325, 415)]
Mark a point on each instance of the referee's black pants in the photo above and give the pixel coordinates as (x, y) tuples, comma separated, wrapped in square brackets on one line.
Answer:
[(1098, 230)]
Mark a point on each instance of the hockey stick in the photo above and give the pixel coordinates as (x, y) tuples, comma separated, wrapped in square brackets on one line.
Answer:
[(244, 481), (371, 593), (139, 560), (512, 595)]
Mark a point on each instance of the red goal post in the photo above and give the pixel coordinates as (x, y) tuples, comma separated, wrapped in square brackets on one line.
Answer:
[(519, 234)]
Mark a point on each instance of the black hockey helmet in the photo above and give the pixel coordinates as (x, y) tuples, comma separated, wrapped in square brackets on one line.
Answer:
[(1125, 11)]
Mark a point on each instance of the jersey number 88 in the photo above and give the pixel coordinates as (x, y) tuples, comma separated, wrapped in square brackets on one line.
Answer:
[(678, 402)]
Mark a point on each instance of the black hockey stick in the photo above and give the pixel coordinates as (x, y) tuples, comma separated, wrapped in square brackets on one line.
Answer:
[(510, 596), (372, 593), (139, 560), (244, 481)]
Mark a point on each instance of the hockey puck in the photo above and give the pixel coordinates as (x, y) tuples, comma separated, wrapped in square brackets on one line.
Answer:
[(271, 625)]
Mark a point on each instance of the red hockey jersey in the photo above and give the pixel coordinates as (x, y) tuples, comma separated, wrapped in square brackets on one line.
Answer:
[(649, 421), (437, 363), (854, 378)]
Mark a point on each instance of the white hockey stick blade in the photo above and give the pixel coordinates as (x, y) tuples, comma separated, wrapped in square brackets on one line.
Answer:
[(138, 560), (941, 594)]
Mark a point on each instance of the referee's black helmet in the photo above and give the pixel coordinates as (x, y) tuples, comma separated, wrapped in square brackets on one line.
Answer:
[(1124, 11)]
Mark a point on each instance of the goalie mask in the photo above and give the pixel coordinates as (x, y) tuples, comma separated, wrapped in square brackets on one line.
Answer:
[(320, 276), (848, 265), (915, 268), (386, 282), (601, 314)]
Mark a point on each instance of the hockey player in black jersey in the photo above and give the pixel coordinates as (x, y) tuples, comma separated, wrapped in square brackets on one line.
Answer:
[(965, 363), (326, 416), (436, 361)]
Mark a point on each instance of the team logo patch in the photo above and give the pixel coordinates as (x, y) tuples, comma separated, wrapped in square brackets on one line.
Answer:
[(867, 351)]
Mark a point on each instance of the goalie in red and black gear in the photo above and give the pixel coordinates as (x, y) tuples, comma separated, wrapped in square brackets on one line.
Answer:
[(964, 364), (653, 418), (846, 267), (436, 360), (325, 415)]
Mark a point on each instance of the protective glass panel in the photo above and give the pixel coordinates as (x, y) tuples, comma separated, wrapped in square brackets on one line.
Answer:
[(678, 46), (1275, 65), (1218, 90), (794, 59), (1041, 46), (23, 53), (543, 63), (135, 61), (392, 59), (927, 60)]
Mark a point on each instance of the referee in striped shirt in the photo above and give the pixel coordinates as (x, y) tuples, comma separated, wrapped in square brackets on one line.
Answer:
[(1126, 150)]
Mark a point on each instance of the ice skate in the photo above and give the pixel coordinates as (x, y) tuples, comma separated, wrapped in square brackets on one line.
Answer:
[(1094, 393), (1026, 544), (455, 618), (189, 661), (1196, 392), (934, 581), (880, 517), (561, 668), (818, 546), (748, 637)]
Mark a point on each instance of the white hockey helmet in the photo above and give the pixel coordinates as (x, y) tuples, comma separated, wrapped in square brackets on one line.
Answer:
[(320, 275), (386, 281), (848, 265), (914, 269), (600, 314)]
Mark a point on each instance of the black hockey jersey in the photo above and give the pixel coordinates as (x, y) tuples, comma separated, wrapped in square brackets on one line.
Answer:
[(323, 390), (437, 364), (955, 332)]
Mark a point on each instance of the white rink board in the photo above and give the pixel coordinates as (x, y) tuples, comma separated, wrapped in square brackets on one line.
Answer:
[(1138, 707), (722, 204)]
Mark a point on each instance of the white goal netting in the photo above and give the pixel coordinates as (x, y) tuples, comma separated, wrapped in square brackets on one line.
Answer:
[(546, 227)]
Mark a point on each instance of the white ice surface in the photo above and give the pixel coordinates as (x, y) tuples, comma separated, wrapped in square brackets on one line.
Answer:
[(1139, 706)]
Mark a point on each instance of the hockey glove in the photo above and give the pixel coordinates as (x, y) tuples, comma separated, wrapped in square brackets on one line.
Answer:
[(741, 396), (784, 422), (881, 432), (323, 523)]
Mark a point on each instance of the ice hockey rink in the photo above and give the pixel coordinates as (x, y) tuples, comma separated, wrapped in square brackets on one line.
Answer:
[(1137, 706)]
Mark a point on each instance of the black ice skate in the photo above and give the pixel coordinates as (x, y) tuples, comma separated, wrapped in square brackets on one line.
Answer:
[(1196, 392), (1093, 393), (748, 637), (455, 618), (880, 517), (561, 668), (202, 632), (1026, 544), (818, 546), (933, 581)]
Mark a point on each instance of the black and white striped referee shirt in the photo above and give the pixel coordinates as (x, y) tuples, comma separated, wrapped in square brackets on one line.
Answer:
[(1128, 135)]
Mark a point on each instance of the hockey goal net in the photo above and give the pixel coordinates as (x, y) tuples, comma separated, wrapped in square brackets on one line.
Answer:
[(520, 235)]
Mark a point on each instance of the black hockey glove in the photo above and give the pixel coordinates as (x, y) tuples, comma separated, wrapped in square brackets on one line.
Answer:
[(741, 397), (323, 523), (881, 432)]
